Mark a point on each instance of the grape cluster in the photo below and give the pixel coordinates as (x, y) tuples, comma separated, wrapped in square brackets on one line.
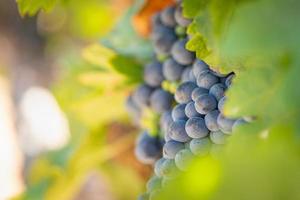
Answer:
[(171, 63), (196, 125)]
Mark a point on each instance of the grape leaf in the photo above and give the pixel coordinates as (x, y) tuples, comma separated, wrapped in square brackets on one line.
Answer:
[(124, 40), (31, 7)]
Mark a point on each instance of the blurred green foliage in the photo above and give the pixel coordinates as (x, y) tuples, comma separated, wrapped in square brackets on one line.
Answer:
[(258, 40)]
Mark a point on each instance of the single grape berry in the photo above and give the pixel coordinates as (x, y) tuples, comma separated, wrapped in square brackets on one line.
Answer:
[(201, 146), (183, 159), (184, 92), (153, 75), (186, 75), (195, 128), (148, 149), (142, 95), (167, 16), (180, 19), (163, 44), (178, 112), (190, 110), (221, 104), (205, 103), (177, 131), (198, 91), (206, 79), (218, 91), (133, 109), (181, 54), (211, 120), (225, 124), (199, 66), (218, 137), (161, 100), (172, 70), (166, 120), (171, 148)]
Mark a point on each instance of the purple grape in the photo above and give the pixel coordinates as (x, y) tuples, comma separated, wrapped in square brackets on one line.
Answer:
[(184, 92), (211, 120), (181, 54), (172, 70), (225, 124), (142, 95), (201, 146), (206, 79), (177, 131), (167, 16), (199, 66), (161, 100), (180, 19), (198, 91), (171, 148), (195, 128), (190, 110), (218, 91), (205, 103), (218, 137), (153, 75), (178, 112)]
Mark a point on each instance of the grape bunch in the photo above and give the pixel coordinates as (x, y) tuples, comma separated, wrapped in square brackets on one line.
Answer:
[(195, 126), (171, 64)]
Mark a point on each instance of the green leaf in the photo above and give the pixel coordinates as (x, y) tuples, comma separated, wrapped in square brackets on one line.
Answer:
[(31, 7), (124, 39)]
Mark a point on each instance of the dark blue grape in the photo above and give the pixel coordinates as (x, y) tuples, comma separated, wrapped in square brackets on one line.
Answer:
[(218, 137), (171, 148), (225, 124), (153, 75), (211, 120), (183, 159), (167, 16), (205, 103), (166, 120), (192, 77), (163, 44), (161, 100), (198, 91), (190, 110), (199, 66), (177, 131), (178, 112), (206, 79), (195, 128), (148, 149), (172, 70), (181, 54), (142, 95), (182, 21), (221, 104), (184, 92), (154, 183), (186, 75), (201, 146), (158, 167), (133, 109), (218, 90)]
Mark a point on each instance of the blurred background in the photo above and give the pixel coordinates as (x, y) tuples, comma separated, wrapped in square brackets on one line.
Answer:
[(64, 131)]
